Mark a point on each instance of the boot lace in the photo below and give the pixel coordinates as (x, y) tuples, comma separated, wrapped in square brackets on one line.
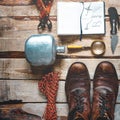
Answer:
[(75, 114), (103, 100)]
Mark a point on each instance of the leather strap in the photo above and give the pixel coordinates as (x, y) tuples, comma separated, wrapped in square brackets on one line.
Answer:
[(44, 7)]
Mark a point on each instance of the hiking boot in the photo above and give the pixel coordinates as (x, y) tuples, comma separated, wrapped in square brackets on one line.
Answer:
[(105, 90), (77, 88)]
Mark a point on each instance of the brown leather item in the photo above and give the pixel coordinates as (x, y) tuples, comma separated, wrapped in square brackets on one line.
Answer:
[(105, 90), (77, 88)]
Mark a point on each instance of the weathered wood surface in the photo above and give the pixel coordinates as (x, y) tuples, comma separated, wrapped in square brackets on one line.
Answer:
[(26, 9), (20, 68), (62, 110), (19, 90), (18, 80)]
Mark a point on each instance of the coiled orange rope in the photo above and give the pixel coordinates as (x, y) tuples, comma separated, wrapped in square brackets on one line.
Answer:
[(49, 86)]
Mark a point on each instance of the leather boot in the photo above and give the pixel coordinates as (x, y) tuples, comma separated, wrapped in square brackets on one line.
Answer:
[(77, 88), (105, 90)]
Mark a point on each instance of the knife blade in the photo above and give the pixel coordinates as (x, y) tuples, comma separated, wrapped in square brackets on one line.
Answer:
[(114, 21)]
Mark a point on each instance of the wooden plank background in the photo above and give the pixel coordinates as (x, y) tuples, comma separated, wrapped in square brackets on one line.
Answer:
[(18, 80)]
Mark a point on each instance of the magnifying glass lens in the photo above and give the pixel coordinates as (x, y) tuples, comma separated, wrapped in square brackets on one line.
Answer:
[(98, 48)]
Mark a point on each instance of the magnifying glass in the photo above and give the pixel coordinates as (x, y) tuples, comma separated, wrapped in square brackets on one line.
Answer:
[(97, 48)]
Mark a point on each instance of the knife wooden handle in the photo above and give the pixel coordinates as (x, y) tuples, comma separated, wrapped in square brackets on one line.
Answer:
[(114, 20)]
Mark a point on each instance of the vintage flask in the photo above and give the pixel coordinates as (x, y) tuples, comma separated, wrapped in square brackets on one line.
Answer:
[(41, 50)]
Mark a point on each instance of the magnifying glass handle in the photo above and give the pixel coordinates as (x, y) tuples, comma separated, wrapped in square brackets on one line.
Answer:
[(77, 47), (74, 47)]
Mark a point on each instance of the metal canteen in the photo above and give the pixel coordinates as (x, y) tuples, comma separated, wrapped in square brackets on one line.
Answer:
[(41, 50)]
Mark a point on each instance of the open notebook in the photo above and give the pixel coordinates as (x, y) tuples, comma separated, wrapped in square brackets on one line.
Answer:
[(75, 18)]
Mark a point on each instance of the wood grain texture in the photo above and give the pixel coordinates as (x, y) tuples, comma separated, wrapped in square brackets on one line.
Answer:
[(19, 80), (21, 69), (19, 90), (62, 110), (16, 2)]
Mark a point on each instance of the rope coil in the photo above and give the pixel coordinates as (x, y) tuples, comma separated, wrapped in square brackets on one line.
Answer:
[(49, 86)]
